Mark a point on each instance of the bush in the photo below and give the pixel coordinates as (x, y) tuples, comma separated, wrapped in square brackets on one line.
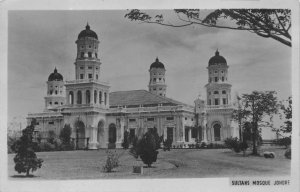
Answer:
[(146, 148), (65, 135), (125, 143), (203, 145), (236, 145), (286, 141), (288, 153), (167, 144), (112, 161)]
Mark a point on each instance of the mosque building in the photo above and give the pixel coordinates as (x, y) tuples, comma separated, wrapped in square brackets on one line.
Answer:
[(101, 117)]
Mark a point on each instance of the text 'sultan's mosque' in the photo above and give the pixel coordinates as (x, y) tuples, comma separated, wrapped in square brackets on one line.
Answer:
[(93, 112)]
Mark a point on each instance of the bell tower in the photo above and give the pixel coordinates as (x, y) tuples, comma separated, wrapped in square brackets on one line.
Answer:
[(157, 84)]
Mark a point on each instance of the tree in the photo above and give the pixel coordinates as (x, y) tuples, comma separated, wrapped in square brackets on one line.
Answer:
[(254, 107), (51, 136), (267, 23), (287, 110), (126, 140), (65, 134), (146, 147), (26, 159)]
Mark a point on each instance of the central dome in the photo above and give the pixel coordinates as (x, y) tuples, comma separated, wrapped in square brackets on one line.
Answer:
[(87, 33), (157, 64), (217, 59), (55, 76)]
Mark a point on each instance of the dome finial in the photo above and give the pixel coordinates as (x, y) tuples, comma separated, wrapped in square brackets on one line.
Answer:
[(87, 25), (55, 70), (217, 51), (156, 59)]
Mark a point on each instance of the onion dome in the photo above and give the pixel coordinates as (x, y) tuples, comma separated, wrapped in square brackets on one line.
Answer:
[(157, 64), (217, 59), (87, 33), (55, 76)]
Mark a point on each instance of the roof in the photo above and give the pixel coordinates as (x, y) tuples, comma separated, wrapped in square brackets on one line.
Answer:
[(87, 33), (139, 97), (157, 64), (55, 76), (217, 59)]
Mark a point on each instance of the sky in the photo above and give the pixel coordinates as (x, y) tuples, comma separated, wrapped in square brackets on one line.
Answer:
[(39, 41)]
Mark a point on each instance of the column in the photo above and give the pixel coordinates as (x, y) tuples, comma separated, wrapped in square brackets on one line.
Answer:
[(204, 129), (93, 137), (92, 96)]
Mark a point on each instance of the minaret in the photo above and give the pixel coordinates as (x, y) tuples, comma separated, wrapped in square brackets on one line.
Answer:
[(218, 89), (157, 84), (87, 61), (55, 91), (87, 90), (218, 109)]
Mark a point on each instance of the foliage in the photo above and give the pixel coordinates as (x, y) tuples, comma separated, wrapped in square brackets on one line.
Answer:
[(146, 147), (125, 143), (286, 141), (10, 143), (112, 161), (51, 136), (65, 134), (26, 159), (267, 23), (287, 110), (167, 144), (254, 107), (236, 145), (288, 153)]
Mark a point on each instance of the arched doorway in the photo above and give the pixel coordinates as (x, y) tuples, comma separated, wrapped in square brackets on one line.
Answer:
[(100, 132), (217, 132), (112, 135), (80, 139)]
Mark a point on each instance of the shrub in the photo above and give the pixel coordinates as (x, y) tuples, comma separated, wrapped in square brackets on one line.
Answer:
[(167, 144), (288, 153), (236, 145), (10, 143), (51, 137), (125, 143), (26, 159), (112, 161), (286, 141), (203, 145), (65, 134), (146, 148)]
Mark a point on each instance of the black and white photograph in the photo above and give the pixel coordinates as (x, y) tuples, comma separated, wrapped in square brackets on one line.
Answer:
[(190, 96)]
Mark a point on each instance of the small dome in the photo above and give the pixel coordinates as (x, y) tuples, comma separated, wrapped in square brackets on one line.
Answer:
[(87, 33), (157, 64), (55, 76), (217, 59)]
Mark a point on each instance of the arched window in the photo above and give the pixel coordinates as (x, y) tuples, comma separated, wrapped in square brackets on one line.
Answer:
[(223, 92), (79, 97), (216, 101), (50, 92), (71, 97), (216, 79), (82, 54), (216, 92), (100, 97), (222, 78), (97, 76), (209, 102), (56, 103), (105, 98), (88, 97), (95, 96), (55, 92), (90, 54), (217, 131), (96, 55)]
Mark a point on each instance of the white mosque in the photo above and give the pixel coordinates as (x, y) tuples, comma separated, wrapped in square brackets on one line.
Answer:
[(93, 112)]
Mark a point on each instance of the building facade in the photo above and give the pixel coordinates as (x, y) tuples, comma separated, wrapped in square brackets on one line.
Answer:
[(99, 118)]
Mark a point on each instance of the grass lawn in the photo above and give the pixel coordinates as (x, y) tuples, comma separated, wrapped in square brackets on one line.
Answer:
[(177, 163)]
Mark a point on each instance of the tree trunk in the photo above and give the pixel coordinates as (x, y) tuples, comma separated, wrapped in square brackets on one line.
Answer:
[(254, 151), (27, 172)]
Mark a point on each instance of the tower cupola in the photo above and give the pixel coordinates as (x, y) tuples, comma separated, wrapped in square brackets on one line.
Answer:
[(157, 84)]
